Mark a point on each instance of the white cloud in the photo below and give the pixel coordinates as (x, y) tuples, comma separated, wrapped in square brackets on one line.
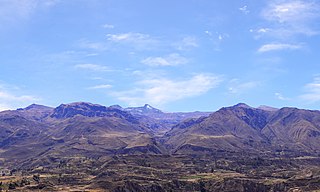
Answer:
[(138, 41), (4, 107), (244, 9), (312, 91), (208, 33), (15, 10), (128, 37), (278, 47), (108, 26), (91, 54), (103, 86), (9, 100), (97, 46), (170, 60), (260, 32), (162, 90), (93, 67), (292, 17), (263, 30), (186, 43), (281, 97), (217, 39), (237, 87), (290, 11)]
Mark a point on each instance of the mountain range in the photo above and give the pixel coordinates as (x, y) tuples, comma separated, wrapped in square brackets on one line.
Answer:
[(91, 130)]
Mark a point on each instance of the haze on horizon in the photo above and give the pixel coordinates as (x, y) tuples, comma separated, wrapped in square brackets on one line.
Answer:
[(174, 55)]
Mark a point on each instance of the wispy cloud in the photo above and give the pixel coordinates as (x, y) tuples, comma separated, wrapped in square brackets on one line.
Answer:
[(93, 67), (278, 47), (290, 11), (170, 60), (103, 86), (217, 39), (163, 90), (263, 30), (129, 37), (312, 91), (244, 9), (238, 87), (187, 43), (285, 22), (279, 96), (9, 100), (108, 26), (135, 40), (96, 46), (292, 17), (260, 32), (15, 10)]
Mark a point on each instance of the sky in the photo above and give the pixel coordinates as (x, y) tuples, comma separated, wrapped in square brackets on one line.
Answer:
[(176, 55)]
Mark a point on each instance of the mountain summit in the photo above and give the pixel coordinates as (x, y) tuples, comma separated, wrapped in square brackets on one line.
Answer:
[(81, 108), (146, 109), (242, 105)]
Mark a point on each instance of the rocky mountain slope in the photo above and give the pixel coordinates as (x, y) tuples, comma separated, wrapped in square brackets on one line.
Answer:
[(241, 128)]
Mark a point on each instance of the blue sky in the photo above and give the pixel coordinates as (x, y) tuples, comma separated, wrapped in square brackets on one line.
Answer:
[(177, 55)]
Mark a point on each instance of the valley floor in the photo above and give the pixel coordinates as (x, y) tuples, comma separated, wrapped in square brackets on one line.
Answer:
[(206, 172)]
